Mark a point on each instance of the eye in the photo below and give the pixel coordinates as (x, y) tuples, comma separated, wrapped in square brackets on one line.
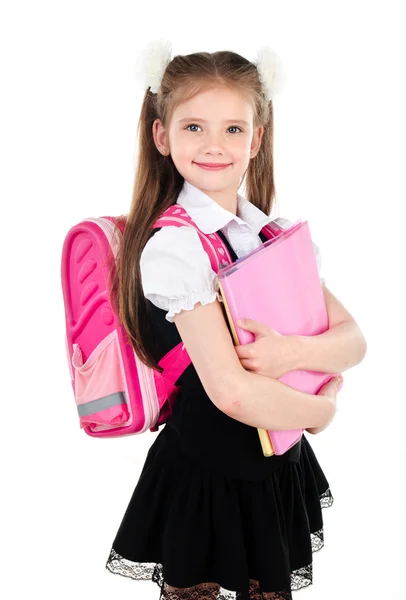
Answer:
[(194, 125), (235, 127)]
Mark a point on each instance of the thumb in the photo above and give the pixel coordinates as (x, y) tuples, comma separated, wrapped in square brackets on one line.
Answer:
[(251, 325)]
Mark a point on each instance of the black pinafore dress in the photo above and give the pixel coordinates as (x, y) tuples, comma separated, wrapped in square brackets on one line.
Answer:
[(212, 518)]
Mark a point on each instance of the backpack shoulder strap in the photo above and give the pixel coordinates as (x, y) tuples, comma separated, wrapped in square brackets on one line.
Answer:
[(212, 243), (271, 230)]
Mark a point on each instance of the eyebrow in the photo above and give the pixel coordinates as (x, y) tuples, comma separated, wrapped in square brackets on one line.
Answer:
[(193, 119)]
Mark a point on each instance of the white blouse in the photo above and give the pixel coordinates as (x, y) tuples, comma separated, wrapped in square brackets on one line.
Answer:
[(175, 270)]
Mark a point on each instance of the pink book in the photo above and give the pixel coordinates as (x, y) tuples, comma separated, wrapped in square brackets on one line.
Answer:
[(278, 284)]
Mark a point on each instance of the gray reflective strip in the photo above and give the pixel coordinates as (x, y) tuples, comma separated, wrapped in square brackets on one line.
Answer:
[(101, 403)]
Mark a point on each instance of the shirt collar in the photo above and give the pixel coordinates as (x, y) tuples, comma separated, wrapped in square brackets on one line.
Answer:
[(209, 216)]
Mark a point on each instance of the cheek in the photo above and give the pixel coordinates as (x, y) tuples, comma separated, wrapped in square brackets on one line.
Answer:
[(182, 154), (186, 154), (242, 145), (242, 152), (182, 146)]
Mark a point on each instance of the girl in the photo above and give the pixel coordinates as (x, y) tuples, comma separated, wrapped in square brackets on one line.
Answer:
[(212, 518)]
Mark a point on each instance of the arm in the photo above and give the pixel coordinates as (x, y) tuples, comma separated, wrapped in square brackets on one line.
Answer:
[(270, 404), (250, 398), (334, 351), (339, 348)]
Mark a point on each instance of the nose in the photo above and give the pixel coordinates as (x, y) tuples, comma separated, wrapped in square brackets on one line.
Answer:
[(214, 144)]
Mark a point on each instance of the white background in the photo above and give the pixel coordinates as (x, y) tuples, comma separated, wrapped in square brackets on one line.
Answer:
[(70, 107)]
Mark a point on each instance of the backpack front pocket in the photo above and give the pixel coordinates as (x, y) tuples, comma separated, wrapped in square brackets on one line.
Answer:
[(100, 390)]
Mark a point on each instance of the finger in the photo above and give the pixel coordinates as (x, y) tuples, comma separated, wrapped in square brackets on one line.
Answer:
[(246, 350), (252, 365), (247, 364), (250, 325)]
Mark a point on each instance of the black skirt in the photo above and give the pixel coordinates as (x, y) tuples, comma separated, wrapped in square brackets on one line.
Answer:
[(217, 537)]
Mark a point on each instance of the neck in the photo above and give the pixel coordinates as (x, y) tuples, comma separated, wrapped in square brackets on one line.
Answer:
[(226, 199)]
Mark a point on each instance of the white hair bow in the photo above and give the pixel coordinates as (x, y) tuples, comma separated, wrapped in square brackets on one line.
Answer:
[(157, 54), (270, 71), (152, 62)]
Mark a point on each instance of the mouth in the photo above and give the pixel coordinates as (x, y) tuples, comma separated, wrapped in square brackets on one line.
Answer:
[(213, 166)]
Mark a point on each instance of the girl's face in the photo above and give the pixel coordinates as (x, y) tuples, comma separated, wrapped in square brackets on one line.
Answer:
[(216, 126)]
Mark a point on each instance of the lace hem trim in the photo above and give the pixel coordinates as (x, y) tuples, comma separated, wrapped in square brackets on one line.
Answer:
[(300, 578)]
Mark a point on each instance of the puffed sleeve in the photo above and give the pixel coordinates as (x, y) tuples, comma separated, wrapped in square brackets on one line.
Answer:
[(176, 272), (285, 223)]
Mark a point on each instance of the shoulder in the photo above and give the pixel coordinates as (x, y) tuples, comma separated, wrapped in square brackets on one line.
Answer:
[(176, 271), (174, 246), (173, 235), (283, 222)]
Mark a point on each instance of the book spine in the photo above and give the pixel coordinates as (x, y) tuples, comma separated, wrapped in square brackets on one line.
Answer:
[(228, 313)]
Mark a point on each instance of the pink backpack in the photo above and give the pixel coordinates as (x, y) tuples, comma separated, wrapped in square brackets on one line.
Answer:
[(115, 392)]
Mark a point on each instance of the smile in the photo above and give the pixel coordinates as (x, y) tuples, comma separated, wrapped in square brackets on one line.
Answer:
[(212, 167)]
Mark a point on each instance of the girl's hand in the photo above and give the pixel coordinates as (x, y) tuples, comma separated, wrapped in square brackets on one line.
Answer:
[(329, 391), (272, 354)]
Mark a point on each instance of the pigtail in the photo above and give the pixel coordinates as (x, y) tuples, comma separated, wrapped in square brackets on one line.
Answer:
[(259, 177)]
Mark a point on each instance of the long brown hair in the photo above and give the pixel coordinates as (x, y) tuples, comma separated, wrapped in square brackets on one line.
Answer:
[(157, 182)]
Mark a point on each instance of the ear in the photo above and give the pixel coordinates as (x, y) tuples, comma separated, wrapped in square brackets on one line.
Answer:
[(160, 137), (256, 141)]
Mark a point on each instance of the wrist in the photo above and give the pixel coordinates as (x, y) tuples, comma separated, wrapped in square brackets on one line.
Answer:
[(296, 352)]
